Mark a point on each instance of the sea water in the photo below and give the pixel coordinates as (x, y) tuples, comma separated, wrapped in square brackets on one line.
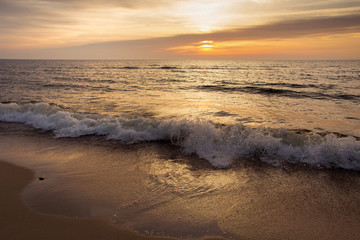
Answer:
[(222, 111), (173, 147)]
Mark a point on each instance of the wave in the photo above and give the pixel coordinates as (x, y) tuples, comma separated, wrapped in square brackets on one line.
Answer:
[(279, 92), (191, 67), (296, 85), (220, 145)]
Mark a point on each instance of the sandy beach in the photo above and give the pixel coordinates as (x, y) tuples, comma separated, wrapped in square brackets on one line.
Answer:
[(19, 222), (183, 120), (96, 189)]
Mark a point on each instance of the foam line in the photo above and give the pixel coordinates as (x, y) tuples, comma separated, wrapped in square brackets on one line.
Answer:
[(221, 146)]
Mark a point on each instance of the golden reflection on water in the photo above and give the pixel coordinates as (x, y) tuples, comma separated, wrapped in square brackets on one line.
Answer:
[(183, 180), (226, 92), (153, 188)]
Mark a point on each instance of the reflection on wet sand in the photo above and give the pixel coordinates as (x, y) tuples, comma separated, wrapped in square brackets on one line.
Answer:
[(154, 189)]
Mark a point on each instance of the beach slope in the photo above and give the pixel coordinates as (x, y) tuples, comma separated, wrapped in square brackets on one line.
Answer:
[(19, 222)]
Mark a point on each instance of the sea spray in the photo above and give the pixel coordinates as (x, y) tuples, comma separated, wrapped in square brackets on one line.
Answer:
[(220, 145)]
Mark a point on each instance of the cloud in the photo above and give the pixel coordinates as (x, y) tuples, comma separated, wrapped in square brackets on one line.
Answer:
[(291, 29), (12, 7), (16, 15), (133, 4), (291, 5), (278, 10), (159, 47), (26, 24), (23, 14), (54, 23)]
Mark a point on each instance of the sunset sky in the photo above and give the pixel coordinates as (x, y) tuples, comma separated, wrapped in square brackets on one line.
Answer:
[(111, 29)]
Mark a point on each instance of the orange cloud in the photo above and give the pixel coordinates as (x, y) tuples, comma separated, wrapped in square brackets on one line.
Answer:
[(333, 37), (334, 46)]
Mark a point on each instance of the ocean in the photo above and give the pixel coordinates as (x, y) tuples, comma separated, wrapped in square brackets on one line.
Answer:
[(184, 148)]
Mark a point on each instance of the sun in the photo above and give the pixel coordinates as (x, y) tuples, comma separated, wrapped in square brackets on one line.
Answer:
[(206, 45), (202, 47)]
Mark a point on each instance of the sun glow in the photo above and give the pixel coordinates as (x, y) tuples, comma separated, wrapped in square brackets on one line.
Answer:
[(203, 16), (201, 48), (304, 47), (206, 45)]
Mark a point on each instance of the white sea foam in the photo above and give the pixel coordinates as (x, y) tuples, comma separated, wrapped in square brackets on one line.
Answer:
[(221, 146)]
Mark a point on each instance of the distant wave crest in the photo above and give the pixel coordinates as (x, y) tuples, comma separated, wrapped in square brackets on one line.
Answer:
[(220, 145), (269, 90)]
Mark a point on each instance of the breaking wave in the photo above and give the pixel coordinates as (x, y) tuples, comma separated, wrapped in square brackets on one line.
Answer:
[(220, 145)]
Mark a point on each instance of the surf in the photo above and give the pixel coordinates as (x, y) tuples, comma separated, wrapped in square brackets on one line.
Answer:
[(220, 145)]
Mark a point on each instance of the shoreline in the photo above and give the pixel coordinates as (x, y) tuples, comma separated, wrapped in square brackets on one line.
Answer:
[(95, 189), (20, 222)]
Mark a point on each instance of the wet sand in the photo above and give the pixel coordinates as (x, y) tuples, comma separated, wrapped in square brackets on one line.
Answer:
[(94, 189), (20, 222)]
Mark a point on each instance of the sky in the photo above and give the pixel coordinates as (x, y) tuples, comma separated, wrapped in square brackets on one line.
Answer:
[(132, 29)]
